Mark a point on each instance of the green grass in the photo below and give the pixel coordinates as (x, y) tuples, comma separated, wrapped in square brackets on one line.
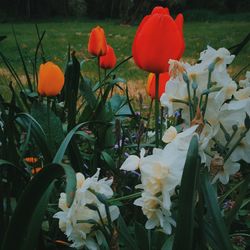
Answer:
[(59, 34)]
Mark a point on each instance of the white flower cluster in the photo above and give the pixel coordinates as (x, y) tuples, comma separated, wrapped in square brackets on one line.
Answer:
[(160, 172), (74, 221), (209, 86), (218, 110)]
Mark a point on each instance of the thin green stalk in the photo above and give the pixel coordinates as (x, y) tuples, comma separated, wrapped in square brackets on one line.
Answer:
[(236, 144), (127, 197), (156, 110), (48, 117), (99, 72), (148, 118), (162, 111), (210, 70), (191, 112)]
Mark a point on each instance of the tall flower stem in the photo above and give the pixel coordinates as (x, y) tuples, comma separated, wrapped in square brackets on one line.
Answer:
[(48, 119), (99, 72), (157, 110)]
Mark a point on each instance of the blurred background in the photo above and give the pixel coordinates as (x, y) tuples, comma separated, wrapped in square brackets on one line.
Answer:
[(223, 23), (128, 11)]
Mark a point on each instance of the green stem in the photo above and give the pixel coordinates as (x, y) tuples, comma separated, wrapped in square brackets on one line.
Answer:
[(48, 118), (127, 197), (148, 118), (156, 110), (208, 87), (99, 72), (191, 112), (162, 109), (236, 144)]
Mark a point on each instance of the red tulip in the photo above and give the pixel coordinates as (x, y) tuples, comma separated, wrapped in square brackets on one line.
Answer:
[(97, 45), (163, 78), (158, 39), (50, 79), (108, 61)]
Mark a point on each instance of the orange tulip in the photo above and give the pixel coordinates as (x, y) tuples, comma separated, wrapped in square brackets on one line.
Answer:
[(163, 78), (97, 45), (108, 61), (50, 79), (158, 39)]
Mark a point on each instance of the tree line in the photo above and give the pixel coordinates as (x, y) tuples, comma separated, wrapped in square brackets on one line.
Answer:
[(126, 10)]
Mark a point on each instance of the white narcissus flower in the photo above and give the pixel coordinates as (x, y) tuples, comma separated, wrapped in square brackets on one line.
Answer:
[(246, 82), (73, 221), (234, 113), (132, 163), (228, 169), (242, 151), (222, 57), (169, 134), (242, 94)]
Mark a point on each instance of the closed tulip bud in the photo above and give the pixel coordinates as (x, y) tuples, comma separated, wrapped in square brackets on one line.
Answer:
[(164, 77), (108, 61), (50, 79), (97, 45), (158, 39)]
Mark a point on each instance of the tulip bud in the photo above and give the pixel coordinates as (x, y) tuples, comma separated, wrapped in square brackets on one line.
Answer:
[(97, 45), (108, 61), (50, 79), (163, 78)]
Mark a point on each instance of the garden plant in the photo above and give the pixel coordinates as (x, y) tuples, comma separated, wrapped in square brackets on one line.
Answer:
[(83, 166)]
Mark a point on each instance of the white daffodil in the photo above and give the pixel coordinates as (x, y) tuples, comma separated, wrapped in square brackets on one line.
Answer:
[(229, 168), (132, 163), (169, 134), (222, 57), (241, 152), (234, 113), (73, 221), (157, 216), (242, 94), (246, 82)]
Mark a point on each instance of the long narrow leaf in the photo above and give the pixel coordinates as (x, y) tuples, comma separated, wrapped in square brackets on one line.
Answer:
[(22, 220), (188, 191), (220, 232)]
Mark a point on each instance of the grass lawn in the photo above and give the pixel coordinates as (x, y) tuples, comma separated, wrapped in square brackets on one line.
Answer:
[(59, 34)]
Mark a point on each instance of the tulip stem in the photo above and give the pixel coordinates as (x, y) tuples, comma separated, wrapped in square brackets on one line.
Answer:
[(157, 110), (99, 73), (48, 117)]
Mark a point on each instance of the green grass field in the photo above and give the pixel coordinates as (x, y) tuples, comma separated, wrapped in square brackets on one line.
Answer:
[(59, 34)]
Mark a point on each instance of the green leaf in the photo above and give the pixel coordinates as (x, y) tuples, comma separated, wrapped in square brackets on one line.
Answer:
[(63, 147), (8, 165), (220, 233), (141, 236), (24, 120), (168, 244), (87, 92), (126, 234), (50, 123), (34, 201), (188, 193), (109, 160)]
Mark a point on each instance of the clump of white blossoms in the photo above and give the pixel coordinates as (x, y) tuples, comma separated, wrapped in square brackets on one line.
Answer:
[(207, 87), (212, 105), (160, 172), (77, 221)]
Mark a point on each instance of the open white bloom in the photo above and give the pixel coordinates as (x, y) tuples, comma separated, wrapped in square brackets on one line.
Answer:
[(242, 151), (155, 212), (228, 169), (222, 57), (132, 163), (169, 134), (73, 221), (246, 82)]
